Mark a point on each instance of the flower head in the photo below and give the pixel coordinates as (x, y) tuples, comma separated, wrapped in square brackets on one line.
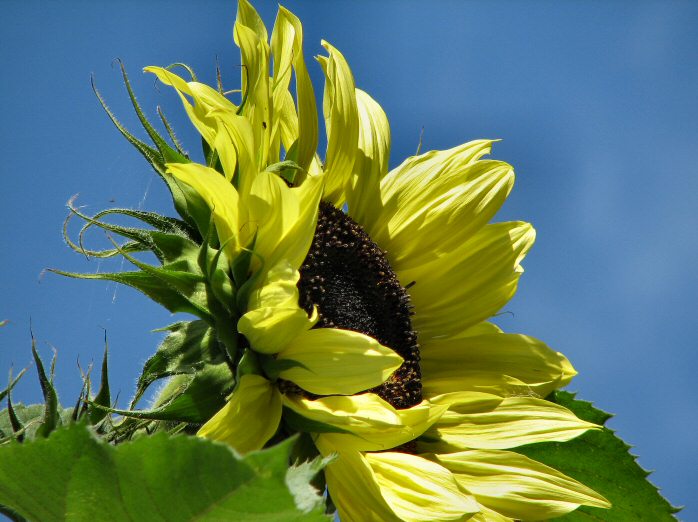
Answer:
[(352, 301)]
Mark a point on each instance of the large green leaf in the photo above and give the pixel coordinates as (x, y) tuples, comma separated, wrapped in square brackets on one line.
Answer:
[(603, 462), (74, 476)]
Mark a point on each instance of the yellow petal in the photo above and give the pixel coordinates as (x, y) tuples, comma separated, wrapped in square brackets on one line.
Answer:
[(391, 486), (436, 201), (296, 242), (371, 164), (471, 283), (205, 100), (488, 515), (274, 318), (221, 197), (341, 122), (249, 419), (251, 36), (505, 364), (333, 361), (354, 489), (234, 143), (282, 218), (287, 46), (369, 423), (419, 490), (483, 421), (517, 486)]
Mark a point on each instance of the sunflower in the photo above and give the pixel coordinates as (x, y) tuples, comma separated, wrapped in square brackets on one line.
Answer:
[(358, 296)]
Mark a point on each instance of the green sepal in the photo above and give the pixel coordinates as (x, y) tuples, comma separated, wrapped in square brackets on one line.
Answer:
[(241, 264), (601, 460), (51, 418), (184, 66), (297, 422), (15, 423), (196, 209), (215, 267), (292, 156), (187, 348), (273, 367), (168, 241), (191, 398), (170, 133), (183, 276), (287, 169), (6, 392), (248, 364), (81, 405), (152, 156), (103, 397), (150, 285), (168, 154)]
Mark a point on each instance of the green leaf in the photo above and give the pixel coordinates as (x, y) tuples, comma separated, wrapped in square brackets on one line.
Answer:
[(602, 461), (299, 481), (189, 346), (75, 476)]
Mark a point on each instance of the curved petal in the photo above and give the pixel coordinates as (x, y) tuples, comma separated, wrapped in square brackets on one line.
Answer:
[(488, 515), (471, 283), (221, 197), (419, 490), (234, 143), (333, 361), (205, 100), (349, 478), (287, 46), (368, 423), (505, 364), (483, 421), (517, 486), (391, 486), (295, 243), (341, 123), (274, 318), (251, 36), (435, 202), (371, 164), (282, 218), (250, 418)]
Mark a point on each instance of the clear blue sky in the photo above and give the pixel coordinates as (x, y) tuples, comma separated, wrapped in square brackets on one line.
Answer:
[(597, 107)]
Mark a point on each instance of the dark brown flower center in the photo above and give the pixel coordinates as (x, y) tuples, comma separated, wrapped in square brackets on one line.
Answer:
[(350, 281)]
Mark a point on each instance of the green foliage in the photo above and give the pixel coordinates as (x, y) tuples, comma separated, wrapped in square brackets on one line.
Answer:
[(602, 461), (74, 476), (187, 348), (190, 399)]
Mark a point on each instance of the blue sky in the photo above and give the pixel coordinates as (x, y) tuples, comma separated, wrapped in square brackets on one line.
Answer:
[(595, 104)]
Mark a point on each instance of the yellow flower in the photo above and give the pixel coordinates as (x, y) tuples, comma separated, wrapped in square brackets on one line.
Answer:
[(362, 316)]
